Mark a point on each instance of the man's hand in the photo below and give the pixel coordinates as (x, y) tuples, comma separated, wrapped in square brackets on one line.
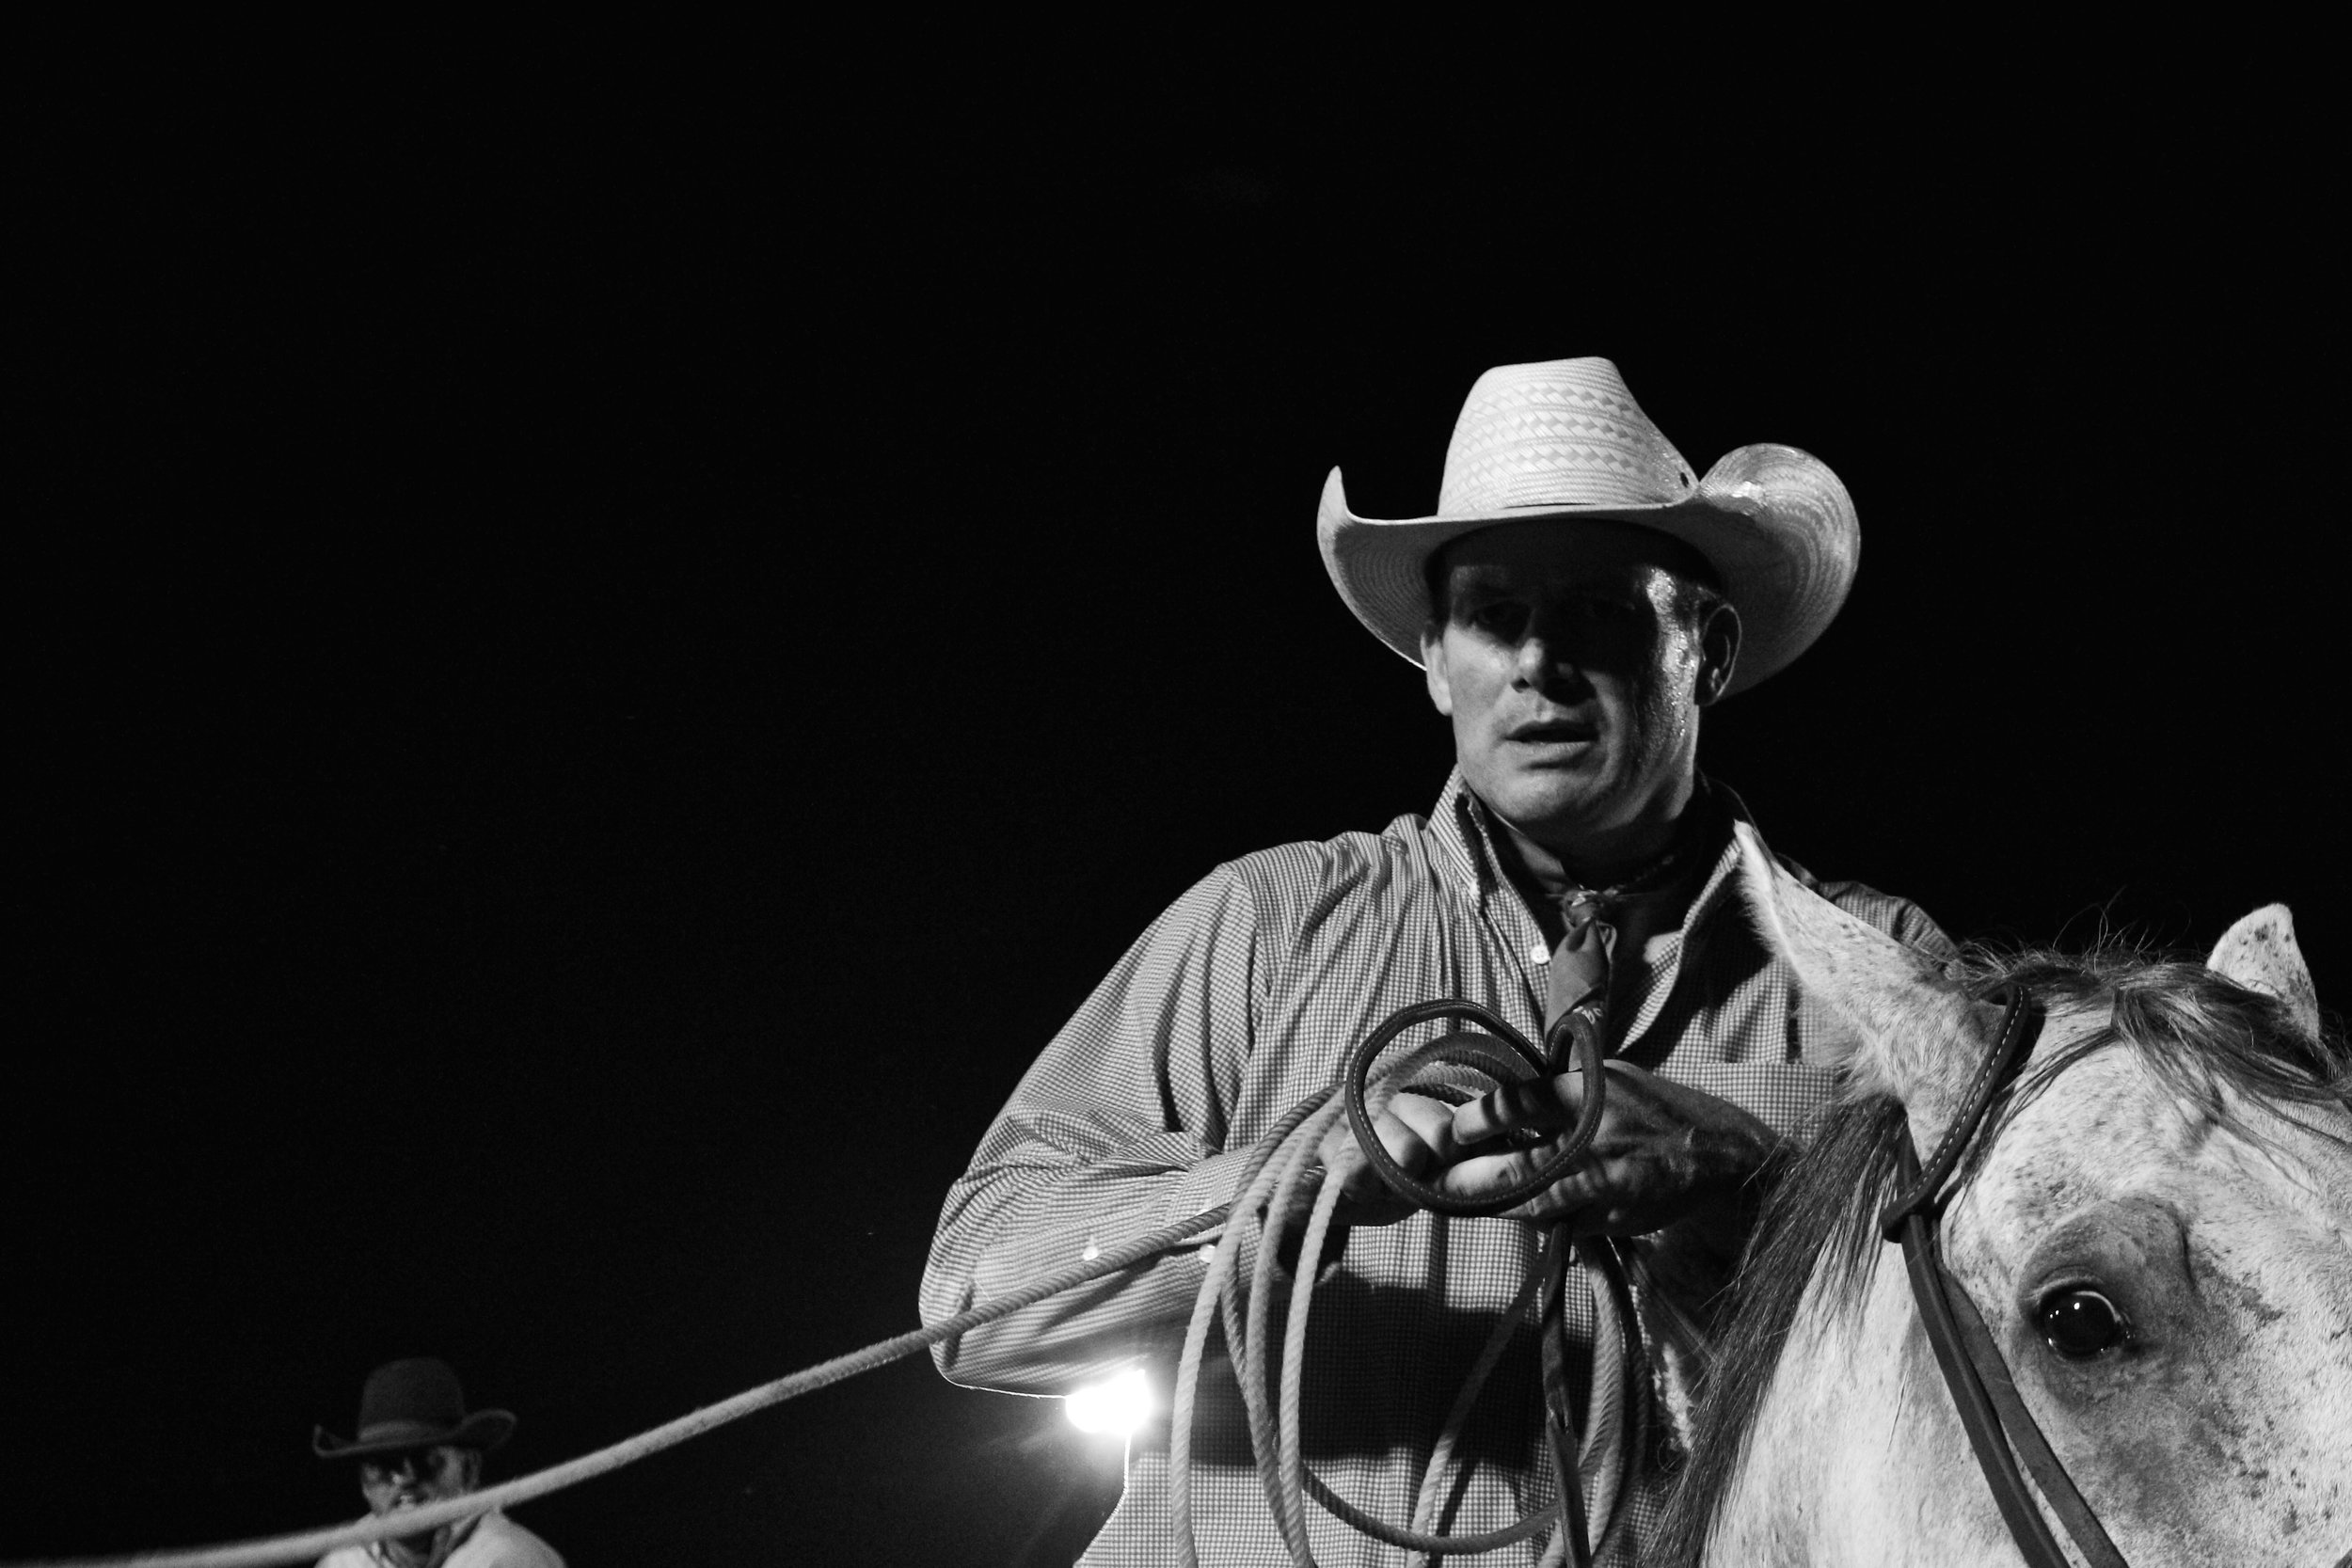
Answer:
[(1663, 1152), (1418, 1133)]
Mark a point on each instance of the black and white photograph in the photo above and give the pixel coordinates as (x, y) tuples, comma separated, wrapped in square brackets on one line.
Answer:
[(896, 804)]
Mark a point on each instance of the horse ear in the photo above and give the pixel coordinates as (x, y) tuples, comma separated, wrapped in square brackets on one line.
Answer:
[(2261, 953), (1915, 1035)]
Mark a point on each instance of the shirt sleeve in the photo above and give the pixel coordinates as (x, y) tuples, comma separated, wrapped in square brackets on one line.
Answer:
[(1117, 1130)]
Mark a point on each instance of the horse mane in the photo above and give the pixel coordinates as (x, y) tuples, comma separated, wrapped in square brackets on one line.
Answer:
[(2201, 1035)]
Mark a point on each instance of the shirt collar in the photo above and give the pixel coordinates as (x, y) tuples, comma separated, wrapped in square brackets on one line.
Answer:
[(1463, 830), (1459, 828), (447, 1540)]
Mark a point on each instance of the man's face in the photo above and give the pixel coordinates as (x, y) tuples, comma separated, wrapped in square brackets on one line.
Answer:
[(412, 1480), (1573, 686)]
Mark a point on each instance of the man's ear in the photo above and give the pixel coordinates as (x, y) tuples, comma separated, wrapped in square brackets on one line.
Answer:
[(1433, 667), (1719, 652)]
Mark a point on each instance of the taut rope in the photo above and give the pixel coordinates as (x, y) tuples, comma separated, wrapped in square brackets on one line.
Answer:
[(314, 1543), (1277, 1167)]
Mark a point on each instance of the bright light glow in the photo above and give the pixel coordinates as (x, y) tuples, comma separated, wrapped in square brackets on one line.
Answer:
[(1115, 1406)]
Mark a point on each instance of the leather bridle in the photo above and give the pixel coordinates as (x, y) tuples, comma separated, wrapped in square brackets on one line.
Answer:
[(1981, 1387)]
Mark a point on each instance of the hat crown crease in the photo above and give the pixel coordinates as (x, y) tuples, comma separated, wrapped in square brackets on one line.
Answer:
[(1554, 434)]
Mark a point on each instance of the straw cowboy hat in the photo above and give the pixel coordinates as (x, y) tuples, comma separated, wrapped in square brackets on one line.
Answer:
[(1564, 439), (414, 1405)]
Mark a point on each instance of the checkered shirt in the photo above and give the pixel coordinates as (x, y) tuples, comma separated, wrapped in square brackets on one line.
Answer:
[(1239, 1001)]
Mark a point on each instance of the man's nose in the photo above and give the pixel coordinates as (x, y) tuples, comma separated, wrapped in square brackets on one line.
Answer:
[(1539, 658)]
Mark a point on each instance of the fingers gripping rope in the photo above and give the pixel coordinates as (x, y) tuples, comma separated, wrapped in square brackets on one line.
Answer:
[(1264, 1197), (1489, 1055), (1282, 1163)]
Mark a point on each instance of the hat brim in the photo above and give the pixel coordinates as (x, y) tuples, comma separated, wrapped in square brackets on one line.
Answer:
[(484, 1429), (1774, 522)]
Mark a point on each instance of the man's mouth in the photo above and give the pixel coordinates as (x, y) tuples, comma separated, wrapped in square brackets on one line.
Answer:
[(1551, 732)]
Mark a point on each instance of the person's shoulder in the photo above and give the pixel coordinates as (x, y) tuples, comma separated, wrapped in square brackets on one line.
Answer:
[(1314, 871), (1275, 894), (346, 1557), (499, 1542)]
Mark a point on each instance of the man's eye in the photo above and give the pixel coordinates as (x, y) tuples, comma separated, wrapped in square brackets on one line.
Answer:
[(1498, 620)]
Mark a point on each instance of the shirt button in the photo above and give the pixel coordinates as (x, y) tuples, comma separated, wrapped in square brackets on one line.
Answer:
[(1539, 954)]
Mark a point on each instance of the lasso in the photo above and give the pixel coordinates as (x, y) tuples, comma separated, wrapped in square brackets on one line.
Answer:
[(1282, 1161)]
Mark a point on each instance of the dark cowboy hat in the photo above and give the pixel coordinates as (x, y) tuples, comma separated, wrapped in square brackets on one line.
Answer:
[(414, 1405)]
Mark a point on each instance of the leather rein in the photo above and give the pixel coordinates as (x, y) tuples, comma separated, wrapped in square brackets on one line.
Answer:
[(1982, 1385)]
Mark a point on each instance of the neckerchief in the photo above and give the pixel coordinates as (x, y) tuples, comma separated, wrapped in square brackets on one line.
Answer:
[(1593, 921)]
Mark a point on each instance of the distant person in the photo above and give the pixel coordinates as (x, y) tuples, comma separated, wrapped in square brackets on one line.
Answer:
[(416, 1445)]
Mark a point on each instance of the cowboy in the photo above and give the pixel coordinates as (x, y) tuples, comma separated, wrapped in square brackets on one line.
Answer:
[(1575, 603), (416, 1445)]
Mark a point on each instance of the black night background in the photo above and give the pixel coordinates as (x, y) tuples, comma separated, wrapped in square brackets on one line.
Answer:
[(599, 665)]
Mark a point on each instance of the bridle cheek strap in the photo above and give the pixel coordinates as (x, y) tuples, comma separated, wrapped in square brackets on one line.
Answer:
[(1981, 1387), (2025, 1433)]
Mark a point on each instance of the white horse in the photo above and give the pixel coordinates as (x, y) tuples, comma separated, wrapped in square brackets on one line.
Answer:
[(2155, 1224)]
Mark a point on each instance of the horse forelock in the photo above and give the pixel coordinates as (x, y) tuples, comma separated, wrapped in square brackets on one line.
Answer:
[(2217, 1046), (2220, 1050)]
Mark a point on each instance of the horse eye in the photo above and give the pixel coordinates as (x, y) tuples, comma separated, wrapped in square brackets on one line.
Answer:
[(2079, 1324)]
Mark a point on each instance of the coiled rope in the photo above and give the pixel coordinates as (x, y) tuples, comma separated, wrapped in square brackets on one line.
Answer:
[(1265, 1194), (1280, 1164)]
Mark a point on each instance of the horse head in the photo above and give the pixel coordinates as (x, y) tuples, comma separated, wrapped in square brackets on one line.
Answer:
[(2154, 1222)]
